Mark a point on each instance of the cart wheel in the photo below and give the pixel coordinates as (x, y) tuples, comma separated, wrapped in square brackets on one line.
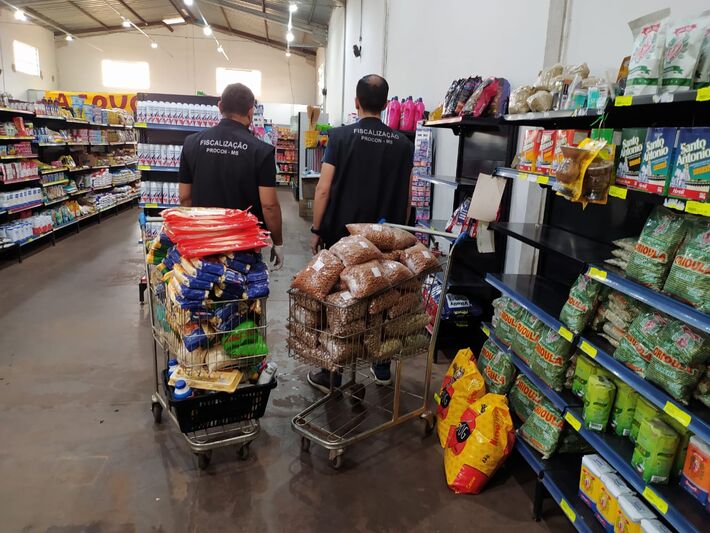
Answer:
[(429, 422), (157, 410), (305, 444), (336, 462), (244, 452), (203, 460)]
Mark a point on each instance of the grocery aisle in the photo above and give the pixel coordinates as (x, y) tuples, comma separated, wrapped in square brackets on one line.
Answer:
[(80, 445)]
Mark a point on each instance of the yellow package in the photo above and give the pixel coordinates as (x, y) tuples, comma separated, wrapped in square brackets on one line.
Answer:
[(631, 512), (593, 467), (479, 445), (611, 488), (463, 384), (569, 178)]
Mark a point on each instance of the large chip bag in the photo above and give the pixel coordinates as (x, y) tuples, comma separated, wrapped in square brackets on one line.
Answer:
[(462, 385), (543, 428), (507, 322), (581, 303), (527, 335), (499, 373), (479, 445), (550, 358), (523, 397), (636, 346), (689, 278)]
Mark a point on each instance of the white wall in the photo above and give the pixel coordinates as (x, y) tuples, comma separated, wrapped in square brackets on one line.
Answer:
[(334, 66), (192, 65), (17, 83)]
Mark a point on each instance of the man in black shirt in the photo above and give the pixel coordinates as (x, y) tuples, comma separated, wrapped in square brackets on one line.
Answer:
[(365, 177), (226, 166)]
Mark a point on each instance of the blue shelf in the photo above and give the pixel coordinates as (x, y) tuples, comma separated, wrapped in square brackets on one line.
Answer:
[(655, 299), (157, 169), (171, 127), (678, 507)]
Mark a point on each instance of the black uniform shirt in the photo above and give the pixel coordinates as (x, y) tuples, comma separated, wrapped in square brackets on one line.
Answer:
[(226, 165), (373, 164)]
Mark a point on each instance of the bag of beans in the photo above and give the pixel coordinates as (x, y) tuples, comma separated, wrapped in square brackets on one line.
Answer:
[(355, 250), (383, 301), (386, 238), (507, 324), (319, 276), (636, 346), (523, 397), (550, 357), (527, 335), (364, 280), (342, 308), (689, 278), (543, 428), (395, 272), (408, 302), (581, 302), (499, 373), (419, 259)]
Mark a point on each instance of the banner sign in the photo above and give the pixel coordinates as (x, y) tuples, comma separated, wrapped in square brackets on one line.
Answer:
[(125, 101)]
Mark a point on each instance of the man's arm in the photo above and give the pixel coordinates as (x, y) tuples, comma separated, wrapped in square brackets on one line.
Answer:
[(186, 194), (272, 213), (322, 194)]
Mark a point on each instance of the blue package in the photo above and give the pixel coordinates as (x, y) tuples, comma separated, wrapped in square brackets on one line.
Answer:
[(209, 267), (257, 277), (174, 255), (258, 267), (459, 306), (196, 338), (257, 290), (193, 294), (196, 283), (246, 257), (165, 240), (189, 305), (229, 292), (232, 277), (239, 266), (226, 317)]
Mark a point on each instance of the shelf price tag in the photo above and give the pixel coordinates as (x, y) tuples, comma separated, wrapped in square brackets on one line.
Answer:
[(597, 274), (590, 350), (658, 502), (522, 176), (703, 94), (572, 420), (674, 203), (677, 413), (622, 101), (566, 334), (486, 331), (697, 208), (618, 192), (543, 180), (568, 510), (140, 125), (532, 178)]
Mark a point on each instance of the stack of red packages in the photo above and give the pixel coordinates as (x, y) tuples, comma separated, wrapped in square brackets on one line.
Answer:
[(201, 231)]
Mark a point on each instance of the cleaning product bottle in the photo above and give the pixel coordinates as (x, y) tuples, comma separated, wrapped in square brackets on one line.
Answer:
[(172, 363), (182, 391), (406, 123), (267, 374), (418, 111), (393, 113)]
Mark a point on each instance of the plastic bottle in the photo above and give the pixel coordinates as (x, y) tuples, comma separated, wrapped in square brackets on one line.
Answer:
[(418, 111), (182, 391), (172, 365), (267, 374), (394, 110), (406, 123)]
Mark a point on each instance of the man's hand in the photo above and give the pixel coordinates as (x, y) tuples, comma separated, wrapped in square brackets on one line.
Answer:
[(277, 257), (316, 244)]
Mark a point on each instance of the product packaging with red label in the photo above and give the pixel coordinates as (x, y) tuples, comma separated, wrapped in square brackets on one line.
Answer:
[(691, 170), (546, 152), (530, 150), (657, 160)]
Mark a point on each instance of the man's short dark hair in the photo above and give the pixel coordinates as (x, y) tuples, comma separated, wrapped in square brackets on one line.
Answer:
[(372, 91), (237, 99)]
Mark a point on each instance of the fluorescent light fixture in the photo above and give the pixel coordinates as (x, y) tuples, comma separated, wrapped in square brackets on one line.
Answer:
[(174, 20), (220, 50), (20, 15), (292, 8), (288, 53), (69, 38), (189, 3), (153, 45), (290, 37), (126, 23), (207, 31)]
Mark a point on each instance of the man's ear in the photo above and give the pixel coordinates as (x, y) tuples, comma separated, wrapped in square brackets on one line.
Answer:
[(219, 105), (251, 115), (357, 104)]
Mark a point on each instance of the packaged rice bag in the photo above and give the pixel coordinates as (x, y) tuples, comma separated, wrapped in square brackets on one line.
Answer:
[(543, 428), (636, 346), (507, 325), (689, 277), (655, 449), (644, 410), (645, 67), (488, 351), (550, 357), (581, 302), (622, 415), (499, 373), (668, 372), (523, 397), (683, 44), (527, 335), (319, 276), (584, 368), (598, 402), (527, 158)]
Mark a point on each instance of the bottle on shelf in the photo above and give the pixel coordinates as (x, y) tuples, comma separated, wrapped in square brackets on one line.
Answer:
[(394, 110), (406, 122), (418, 111)]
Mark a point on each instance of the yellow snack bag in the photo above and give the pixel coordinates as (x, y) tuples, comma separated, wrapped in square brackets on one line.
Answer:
[(463, 384), (479, 444)]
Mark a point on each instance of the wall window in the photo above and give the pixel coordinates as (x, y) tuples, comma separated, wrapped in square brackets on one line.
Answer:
[(250, 78), (26, 58), (125, 74)]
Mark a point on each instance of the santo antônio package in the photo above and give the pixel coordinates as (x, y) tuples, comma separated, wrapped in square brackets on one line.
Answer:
[(630, 152), (691, 170), (657, 160)]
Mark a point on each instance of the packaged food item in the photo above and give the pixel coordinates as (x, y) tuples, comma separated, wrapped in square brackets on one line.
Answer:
[(408, 302), (565, 138), (406, 325), (523, 397), (570, 174), (702, 391), (481, 97), (306, 301), (395, 272), (542, 429), (499, 373), (702, 72), (419, 259), (661, 236), (683, 44), (488, 351), (364, 280), (462, 385), (689, 276), (340, 349), (386, 238), (584, 368), (593, 467), (414, 344), (527, 158), (696, 470), (631, 151), (506, 327), (498, 103), (598, 402), (657, 160), (550, 357), (540, 101), (635, 348), (611, 488), (383, 301), (653, 526), (303, 335), (527, 335), (319, 276), (355, 250), (683, 442), (479, 445), (344, 308), (547, 75), (518, 99), (647, 56), (644, 410), (631, 512), (305, 317), (690, 178), (655, 449), (546, 152), (668, 372), (581, 302), (600, 172), (622, 415)]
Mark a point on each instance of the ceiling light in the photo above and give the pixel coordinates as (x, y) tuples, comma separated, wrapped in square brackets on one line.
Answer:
[(290, 37), (220, 50), (288, 53), (174, 20), (126, 23), (20, 15), (207, 31), (153, 45), (188, 3), (292, 8), (69, 38)]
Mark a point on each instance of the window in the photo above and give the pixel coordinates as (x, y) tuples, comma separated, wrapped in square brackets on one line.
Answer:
[(250, 78), (26, 58), (125, 74)]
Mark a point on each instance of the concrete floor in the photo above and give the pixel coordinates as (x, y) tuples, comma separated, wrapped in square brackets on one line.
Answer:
[(79, 450)]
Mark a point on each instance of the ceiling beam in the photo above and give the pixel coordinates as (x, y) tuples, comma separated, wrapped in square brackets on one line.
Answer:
[(113, 29), (48, 21), (262, 40), (226, 19), (266, 22), (183, 11), (134, 12), (85, 12)]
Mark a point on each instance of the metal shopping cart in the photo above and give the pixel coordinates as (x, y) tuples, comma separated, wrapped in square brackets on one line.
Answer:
[(396, 325), (213, 419)]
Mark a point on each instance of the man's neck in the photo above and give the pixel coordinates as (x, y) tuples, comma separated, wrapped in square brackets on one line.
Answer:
[(369, 115), (244, 121)]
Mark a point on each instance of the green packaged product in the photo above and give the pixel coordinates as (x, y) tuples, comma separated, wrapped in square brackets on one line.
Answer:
[(622, 415), (543, 428), (526, 336), (523, 397), (598, 402), (683, 441), (644, 410), (508, 322), (689, 278), (655, 450), (702, 391), (684, 343), (488, 351), (636, 346), (584, 368), (499, 374), (656, 247), (550, 358), (581, 303), (671, 374)]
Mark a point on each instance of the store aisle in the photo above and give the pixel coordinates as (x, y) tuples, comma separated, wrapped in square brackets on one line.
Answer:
[(79, 443)]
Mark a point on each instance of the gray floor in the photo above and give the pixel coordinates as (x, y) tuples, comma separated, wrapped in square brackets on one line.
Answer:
[(79, 451)]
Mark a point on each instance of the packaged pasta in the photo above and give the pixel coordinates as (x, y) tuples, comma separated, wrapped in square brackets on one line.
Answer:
[(319, 276), (355, 250), (364, 280)]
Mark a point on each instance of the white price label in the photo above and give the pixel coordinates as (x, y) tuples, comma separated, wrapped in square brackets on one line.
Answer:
[(377, 227), (427, 254), (376, 272), (347, 296), (362, 243), (318, 265)]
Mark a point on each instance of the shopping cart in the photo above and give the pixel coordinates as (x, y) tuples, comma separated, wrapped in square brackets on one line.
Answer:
[(359, 408), (213, 419)]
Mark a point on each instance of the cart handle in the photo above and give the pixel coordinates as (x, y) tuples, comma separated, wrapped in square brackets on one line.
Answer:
[(427, 231)]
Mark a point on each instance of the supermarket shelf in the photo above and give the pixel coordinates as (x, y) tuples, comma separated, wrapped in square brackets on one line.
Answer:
[(76, 121), (172, 127), (51, 117), (53, 170), (15, 111), (46, 144), (666, 98), (24, 207), (579, 116), (156, 206), (98, 144), (23, 180), (556, 240), (58, 200), (678, 507), (58, 182), (117, 143), (127, 200), (79, 192), (78, 143), (25, 138), (655, 299), (158, 169), (19, 156), (457, 122), (532, 177), (75, 221), (34, 238), (102, 187), (536, 462), (448, 181)]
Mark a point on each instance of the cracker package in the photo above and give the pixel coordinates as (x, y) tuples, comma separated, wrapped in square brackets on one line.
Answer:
[(690, 178), (630, 153), (527, 158), (657, 160)]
